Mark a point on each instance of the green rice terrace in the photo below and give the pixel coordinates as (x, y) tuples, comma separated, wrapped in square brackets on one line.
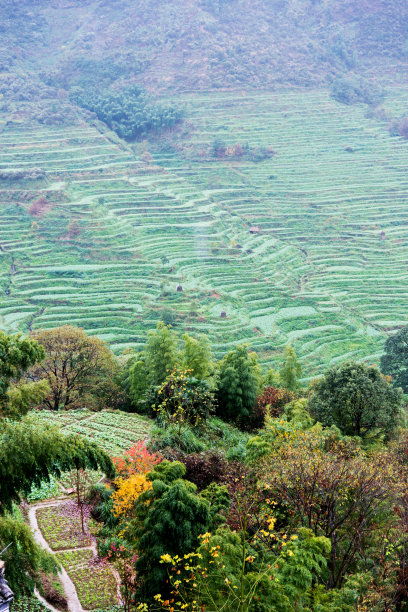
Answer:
[(306, 245)]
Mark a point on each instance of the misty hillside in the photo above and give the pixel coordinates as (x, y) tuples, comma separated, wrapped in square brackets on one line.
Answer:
[(196, 44)]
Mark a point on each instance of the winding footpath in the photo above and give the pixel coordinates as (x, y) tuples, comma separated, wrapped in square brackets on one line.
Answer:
[(71, 595)]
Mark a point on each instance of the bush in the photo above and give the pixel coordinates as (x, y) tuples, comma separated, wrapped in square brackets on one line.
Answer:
[(183, 440), (272, 399), (205, 468), (351, 90)]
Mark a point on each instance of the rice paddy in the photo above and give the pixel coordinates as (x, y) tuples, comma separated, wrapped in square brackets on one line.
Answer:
[(326, 270)]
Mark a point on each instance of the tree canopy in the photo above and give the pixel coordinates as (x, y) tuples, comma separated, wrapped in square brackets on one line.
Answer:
[(358, 399), (395, 359)]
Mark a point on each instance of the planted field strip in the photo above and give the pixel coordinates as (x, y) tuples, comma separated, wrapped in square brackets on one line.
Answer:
[(62, 534), (327, 270), (114, 432), (93, 580)]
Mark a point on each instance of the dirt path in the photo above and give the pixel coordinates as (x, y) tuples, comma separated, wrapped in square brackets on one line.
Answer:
[(74, 604)]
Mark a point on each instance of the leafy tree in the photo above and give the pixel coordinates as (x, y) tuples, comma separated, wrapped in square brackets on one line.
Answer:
[(356, 398), (291, 370), (138, 379), (136, 460), (272, 401), (169, 518), (237, 386), (347, 500), (17, 354), (395, 359), (196, 356), (131, 112), (182, 399), (160, 353), (126, 493), (25, 557), (29, 454), (77, 367)]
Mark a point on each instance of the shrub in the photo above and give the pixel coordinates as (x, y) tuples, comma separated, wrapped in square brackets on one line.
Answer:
[(205, 468), (136, 460), (351, 90), (272, 399), (403, 128), (183, 399)]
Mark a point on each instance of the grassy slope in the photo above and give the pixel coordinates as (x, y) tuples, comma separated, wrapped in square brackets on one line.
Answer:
[(318, 275)]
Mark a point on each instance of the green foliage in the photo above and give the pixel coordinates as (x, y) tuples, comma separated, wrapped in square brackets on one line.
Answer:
[(358, 399), (298, 414), (17, 354), (238, 386), (130, 112), (170, 517), (291, 370), (182, 399), (29, 454), (138, 379), (161, 353), (352, 90), (219, 499), (182, 439), (196, 356), (78, 368), (24, 557), (394, 362), (23, 396)]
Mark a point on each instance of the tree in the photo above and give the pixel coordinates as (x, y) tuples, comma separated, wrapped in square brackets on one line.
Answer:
[(395, 359), (29, 454), (347, 500), (183, 399), (160, 353), (196, 356), (17, 354), (24, 558), (138, 379), (169, 518), (237, 386), (291, 370), (76, 366), (356, 398)]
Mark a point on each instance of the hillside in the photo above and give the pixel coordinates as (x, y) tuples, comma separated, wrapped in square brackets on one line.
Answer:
[(114, 235), (196, 44)]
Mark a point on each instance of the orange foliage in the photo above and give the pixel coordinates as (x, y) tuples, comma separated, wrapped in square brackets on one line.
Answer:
[(136, 460)]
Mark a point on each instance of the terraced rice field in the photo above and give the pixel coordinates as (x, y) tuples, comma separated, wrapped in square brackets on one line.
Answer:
[(114, 432), (327, 271)]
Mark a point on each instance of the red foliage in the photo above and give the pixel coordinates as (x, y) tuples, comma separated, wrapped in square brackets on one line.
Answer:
[(37, 208), (136, 460), (273, 397)]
